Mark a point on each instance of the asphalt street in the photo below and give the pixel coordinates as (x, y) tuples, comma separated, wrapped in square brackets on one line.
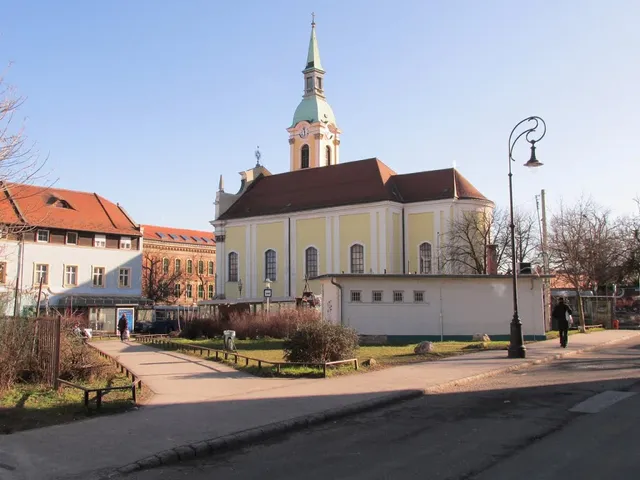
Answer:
[(527, 424)]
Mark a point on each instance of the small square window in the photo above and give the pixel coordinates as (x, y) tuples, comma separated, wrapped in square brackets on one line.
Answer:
[(43, 236), (72, 238), (356, 296), (100, 241), (125, 243), (376, 296), (418, 297), (398, 297)]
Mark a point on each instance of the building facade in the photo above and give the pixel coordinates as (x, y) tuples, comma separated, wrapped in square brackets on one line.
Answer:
[(324, 216), (179, 266), (413, 308), (68, 252)]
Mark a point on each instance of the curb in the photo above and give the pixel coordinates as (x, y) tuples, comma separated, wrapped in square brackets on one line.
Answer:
[(247, 437)]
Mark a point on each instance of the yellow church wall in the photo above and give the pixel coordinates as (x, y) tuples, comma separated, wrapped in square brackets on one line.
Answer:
[(271, 236), (355, 228), (396, 241), (235, 241), (420, 227), (310, 232)]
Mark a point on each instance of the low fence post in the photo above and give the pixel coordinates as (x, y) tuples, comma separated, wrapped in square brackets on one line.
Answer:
[(56, 352), (324, 370)]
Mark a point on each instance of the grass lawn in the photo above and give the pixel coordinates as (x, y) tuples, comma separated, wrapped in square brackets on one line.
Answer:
[(555, 334), (385, 355), (28, 406)]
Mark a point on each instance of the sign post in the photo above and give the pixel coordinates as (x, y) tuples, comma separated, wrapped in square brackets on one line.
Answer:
[(268, 294)]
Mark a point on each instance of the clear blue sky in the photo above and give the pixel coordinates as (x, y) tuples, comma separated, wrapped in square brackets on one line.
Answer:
[(148, 102)]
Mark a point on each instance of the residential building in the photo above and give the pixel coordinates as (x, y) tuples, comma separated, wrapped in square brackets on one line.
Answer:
[(324, 216), (68, 252), (179, 266)]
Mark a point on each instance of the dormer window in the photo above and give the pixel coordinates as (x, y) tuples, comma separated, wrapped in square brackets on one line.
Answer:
[(58, 202)]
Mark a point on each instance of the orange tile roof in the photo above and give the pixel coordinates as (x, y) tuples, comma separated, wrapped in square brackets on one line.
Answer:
[(65, 209), (178, 235), (350, 183)]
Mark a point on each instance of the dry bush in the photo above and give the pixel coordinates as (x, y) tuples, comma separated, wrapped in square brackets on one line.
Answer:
[(320, 342), (248, 325), (21, 363)]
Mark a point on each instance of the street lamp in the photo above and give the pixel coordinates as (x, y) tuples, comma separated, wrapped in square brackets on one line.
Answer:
[(516, 340)]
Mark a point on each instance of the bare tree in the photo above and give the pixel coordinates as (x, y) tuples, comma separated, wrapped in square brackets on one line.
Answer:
[(474, 231), (629, 228), (159, 279), (586, 247)]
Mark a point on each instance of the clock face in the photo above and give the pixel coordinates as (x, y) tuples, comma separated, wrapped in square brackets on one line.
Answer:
[(304, 132)]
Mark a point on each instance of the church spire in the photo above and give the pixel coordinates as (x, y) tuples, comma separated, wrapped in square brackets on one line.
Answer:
[(313, 57)]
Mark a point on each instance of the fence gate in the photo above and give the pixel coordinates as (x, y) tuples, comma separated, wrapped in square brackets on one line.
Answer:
[(48, 348)]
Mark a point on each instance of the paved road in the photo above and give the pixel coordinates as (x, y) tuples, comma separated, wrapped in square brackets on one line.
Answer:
[(515, 425)]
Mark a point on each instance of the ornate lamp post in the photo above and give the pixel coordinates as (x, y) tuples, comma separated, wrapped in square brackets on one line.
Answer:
[(516, 343)]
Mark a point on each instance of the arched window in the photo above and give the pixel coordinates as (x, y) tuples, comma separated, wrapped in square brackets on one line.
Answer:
[(165, 265), (328, 155), (311, 262), (357, 258), (210, 269), (189, 266), (200, 267), (270, 265), (304, 156), (178, 266), (233, 267), (425, 258)]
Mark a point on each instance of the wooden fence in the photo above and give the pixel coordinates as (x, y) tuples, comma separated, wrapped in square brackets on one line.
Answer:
[(226, 355), (47, 348)]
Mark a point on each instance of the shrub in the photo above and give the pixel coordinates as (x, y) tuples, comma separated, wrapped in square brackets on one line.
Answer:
[(319, 342), (248, 325)]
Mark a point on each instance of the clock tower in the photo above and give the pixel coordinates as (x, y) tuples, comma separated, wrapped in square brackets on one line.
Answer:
[(314, 137)]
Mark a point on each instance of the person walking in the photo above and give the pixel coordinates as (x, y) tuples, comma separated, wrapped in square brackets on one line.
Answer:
[(123, 325), (562, 313)]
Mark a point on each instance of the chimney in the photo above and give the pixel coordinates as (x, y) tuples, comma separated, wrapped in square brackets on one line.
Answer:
[(492, 259)]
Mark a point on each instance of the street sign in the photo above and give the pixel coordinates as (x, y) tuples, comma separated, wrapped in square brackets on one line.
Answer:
[(267, 293)]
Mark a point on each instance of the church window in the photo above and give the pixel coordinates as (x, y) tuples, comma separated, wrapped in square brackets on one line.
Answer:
[(357, 258), (309, 84), (319, 83), (233, 267), (270, 265), (425, 258), (304, 156), (328, 155), (311, 262)]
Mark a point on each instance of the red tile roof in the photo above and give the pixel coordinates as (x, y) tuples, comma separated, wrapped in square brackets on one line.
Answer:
[(351, 183), (178, 235), (65, 209)]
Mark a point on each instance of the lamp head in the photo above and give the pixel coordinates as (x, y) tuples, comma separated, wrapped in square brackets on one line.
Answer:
[(533, 161)]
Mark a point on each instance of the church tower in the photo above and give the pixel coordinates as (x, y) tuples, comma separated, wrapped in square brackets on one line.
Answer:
[(314, 137)]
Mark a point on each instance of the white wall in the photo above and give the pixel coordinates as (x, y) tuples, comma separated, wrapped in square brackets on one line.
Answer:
[(57, 256), (468, 305)]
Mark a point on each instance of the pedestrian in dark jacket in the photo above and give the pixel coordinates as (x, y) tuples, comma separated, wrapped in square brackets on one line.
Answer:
[(123, 325), (561, 314)]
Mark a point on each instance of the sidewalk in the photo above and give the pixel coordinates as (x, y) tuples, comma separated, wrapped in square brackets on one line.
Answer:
[(198, 400)]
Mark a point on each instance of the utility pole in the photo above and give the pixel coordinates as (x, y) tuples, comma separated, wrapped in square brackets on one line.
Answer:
[(545, 262)]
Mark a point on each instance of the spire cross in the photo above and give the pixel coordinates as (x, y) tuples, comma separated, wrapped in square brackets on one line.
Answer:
[(258, 155), (313, 18)]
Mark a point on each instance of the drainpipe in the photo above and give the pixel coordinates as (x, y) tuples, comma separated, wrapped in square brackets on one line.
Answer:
[(18, 290), (333, 282), (289, 253), (404, 263)]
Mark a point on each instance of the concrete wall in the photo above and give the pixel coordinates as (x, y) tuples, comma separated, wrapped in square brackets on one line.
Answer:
[(454, 307)]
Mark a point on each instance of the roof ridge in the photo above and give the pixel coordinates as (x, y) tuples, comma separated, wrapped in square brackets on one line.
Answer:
[(124, 212), (158, 227), (13, 203), (105, 210)]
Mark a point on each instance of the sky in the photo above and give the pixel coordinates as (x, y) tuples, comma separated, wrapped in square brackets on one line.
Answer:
[(148, 102)]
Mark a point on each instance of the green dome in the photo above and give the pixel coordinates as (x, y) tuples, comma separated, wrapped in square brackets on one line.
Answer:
[(313, 109)]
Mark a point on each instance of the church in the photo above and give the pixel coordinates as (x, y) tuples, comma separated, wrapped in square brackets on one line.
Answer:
[(326, 216)]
